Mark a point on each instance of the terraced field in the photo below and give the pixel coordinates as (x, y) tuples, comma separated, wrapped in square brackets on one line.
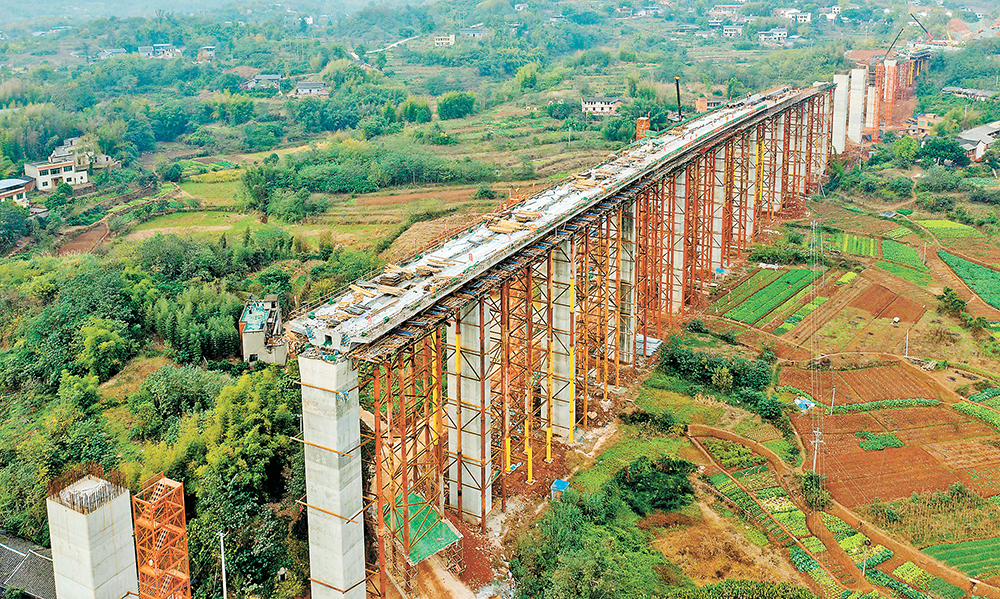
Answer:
[(980, 559), (773, 295)]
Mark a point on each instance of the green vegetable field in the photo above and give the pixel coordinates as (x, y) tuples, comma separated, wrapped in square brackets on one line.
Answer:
[(745, 290), (979, 558), (917, 277), (901, 254), (947, 228), (852, 244), (772, 296), (991, 417), (796, 318), (984, 281)]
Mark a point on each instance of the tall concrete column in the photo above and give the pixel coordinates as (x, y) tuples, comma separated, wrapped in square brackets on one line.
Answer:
[(469, 449), (93, 551), (751, 179), (719, 202), (674, 229), (778, 149), (331, 420), (857, 105), (840, 112), (627, 288), (563, 359)]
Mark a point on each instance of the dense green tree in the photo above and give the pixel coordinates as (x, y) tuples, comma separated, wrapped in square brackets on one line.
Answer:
[(455, 105)]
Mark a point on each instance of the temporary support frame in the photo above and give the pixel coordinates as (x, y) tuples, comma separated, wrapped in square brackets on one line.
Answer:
[(161, 540), (464, 396)]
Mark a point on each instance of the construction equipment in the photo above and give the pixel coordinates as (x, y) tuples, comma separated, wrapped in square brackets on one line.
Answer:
[(930, 38)]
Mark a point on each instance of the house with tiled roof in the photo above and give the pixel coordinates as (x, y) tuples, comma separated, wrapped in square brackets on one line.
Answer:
[(27, 567)]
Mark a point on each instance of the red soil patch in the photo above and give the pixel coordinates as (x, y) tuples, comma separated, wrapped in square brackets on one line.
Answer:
[(881, 302), (874, 300), (820, 385), (857, 477), (85, 242), (910, 418), (945, 432), (887, 382), (905, 309), (837, 424), (478, 556), (544, 474), (970, 453)]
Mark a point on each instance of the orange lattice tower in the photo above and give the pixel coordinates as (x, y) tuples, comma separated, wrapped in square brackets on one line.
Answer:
[(161, 540)]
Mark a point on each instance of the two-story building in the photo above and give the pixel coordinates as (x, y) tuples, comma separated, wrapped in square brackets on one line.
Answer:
[(16, 190), (975, 141), (732, 31), (776, 35), (48, 174), (601, 105), (444, 41), (261, 332)]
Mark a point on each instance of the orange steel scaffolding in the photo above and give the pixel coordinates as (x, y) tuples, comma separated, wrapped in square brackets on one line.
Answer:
[(161, 540), (460, 401)]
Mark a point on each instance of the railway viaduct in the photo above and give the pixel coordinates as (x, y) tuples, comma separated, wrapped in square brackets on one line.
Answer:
[(425, 385)]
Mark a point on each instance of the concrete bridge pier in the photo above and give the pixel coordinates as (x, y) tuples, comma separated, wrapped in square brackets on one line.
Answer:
[(470, 468), (559, 381), (331, 422)]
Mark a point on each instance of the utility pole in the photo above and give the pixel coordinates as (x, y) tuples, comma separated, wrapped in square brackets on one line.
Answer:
[(906, 350), (833, 400), (222, 545), (817, 441)]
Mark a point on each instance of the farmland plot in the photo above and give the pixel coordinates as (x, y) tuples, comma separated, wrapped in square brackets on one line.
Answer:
[(902, 254), (888, 382), (744, 290), (984, 281), (773, 295), (980, 559), (852, 244), (947, 228)]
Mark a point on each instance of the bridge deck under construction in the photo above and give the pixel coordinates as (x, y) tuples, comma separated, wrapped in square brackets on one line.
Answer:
[(444, 379)]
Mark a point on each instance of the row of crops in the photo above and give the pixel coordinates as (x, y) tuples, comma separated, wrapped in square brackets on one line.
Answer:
[(985, 394), (792, 321), (846, 278), (748, 506), (947, 228), (902, 254), (745, 290), (987, 415), (980, 559), (917, 577), (885, 404), (761, 483), (852, 244), (896, 233), (854, 543), (732, 455), (984, 281), (875, 442), (907, 580), (917, 277), (773, 295)]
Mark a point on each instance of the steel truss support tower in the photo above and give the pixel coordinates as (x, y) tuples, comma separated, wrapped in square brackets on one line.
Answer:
[(161, 540), (423, 433)]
